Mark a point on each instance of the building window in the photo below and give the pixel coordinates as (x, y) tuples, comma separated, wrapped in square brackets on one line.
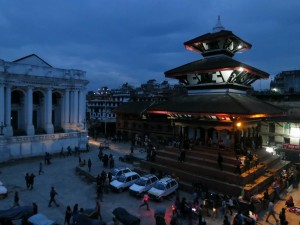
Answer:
[(272, 127), (271, 140), (286, 140)]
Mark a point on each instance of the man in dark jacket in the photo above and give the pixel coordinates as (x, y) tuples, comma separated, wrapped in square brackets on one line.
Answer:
[(53, 193)]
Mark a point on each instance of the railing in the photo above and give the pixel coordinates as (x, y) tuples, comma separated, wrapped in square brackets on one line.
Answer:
[(19, 139)]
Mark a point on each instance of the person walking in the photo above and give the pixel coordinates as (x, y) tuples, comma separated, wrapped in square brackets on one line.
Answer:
[(35, 208), (224, 207), (68, 215), (100, 192), (31, 181), (276, 187), (247, 164), (282, 217), (27, 178), (266, 199), (226, 221), (230, 204), (238, 165), (16, 199), (98, 210), (41, 168), (220, 161), (53, 193), (145, 201), (271, 212), (89, 165), (75, 213)]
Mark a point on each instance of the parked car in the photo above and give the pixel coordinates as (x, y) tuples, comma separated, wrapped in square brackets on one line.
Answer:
[(142, 185), (117, 172), (3, 191), (163, 188), (16, 213), (40, 219), (124, 181), (122, 216)]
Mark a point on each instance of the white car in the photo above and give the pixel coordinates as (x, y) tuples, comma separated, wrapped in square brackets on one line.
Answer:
[(3, 191), (124, 181), (142, 185), (40, 219), (117, 172), (163, 188)]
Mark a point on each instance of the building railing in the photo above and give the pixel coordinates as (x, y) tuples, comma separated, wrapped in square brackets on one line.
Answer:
[(19, 139)]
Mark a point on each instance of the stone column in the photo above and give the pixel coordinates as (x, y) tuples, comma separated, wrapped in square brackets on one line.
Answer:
[(8, 127), (82, 109), (67, 109), (72, 106), (49, 126), (2, 103), (28, 106), (75, 111)]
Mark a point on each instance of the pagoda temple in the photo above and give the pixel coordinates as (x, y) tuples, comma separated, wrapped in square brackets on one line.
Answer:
[(217, 115), (217, 92)]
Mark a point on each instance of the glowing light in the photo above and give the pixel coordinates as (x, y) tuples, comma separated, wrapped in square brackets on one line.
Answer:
[(240, 46), (241, 69), (258, 115), (270, 149), (295, 132), (238, 124)]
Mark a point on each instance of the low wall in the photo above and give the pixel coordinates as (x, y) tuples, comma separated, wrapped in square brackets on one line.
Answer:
[(36, 145)]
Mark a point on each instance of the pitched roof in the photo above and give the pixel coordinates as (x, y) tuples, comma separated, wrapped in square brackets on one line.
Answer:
[(211, 64), (216, 35), (229, 103), (133, 107), (29, 59)]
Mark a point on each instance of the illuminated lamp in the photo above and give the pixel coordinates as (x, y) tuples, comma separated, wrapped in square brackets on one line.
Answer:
[(238, 124), (295, 132), (258, 115), (270, 149)]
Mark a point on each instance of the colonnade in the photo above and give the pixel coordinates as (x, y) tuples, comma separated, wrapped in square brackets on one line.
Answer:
[(71, 110)]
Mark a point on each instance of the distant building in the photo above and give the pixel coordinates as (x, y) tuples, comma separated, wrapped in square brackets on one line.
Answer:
[(101, 117), (100, 106), (286, 82), (282, 134), (42, 108)]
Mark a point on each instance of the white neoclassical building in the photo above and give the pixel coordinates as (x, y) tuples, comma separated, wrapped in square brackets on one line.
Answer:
[(42, 108)]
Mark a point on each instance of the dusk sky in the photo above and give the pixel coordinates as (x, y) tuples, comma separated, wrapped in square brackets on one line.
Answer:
[(132, 41)]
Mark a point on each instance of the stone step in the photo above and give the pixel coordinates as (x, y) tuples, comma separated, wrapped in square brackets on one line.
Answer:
[(203, 167), (232, 188)]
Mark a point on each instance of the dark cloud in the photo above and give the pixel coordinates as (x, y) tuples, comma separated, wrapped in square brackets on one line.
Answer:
[(134, 41)]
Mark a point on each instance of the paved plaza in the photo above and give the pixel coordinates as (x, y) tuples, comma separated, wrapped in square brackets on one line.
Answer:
[(73, 188)]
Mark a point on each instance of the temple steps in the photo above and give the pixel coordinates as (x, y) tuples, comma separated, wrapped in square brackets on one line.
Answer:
[(202, 166), (187, 178)]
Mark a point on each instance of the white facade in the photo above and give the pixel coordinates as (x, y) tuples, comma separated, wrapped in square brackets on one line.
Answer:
[(42, 108)]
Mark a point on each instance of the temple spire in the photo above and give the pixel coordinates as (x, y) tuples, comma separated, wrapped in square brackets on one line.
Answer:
[(218, 27)]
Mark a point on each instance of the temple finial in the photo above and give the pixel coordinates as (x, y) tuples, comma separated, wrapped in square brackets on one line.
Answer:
[(218, 27)]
